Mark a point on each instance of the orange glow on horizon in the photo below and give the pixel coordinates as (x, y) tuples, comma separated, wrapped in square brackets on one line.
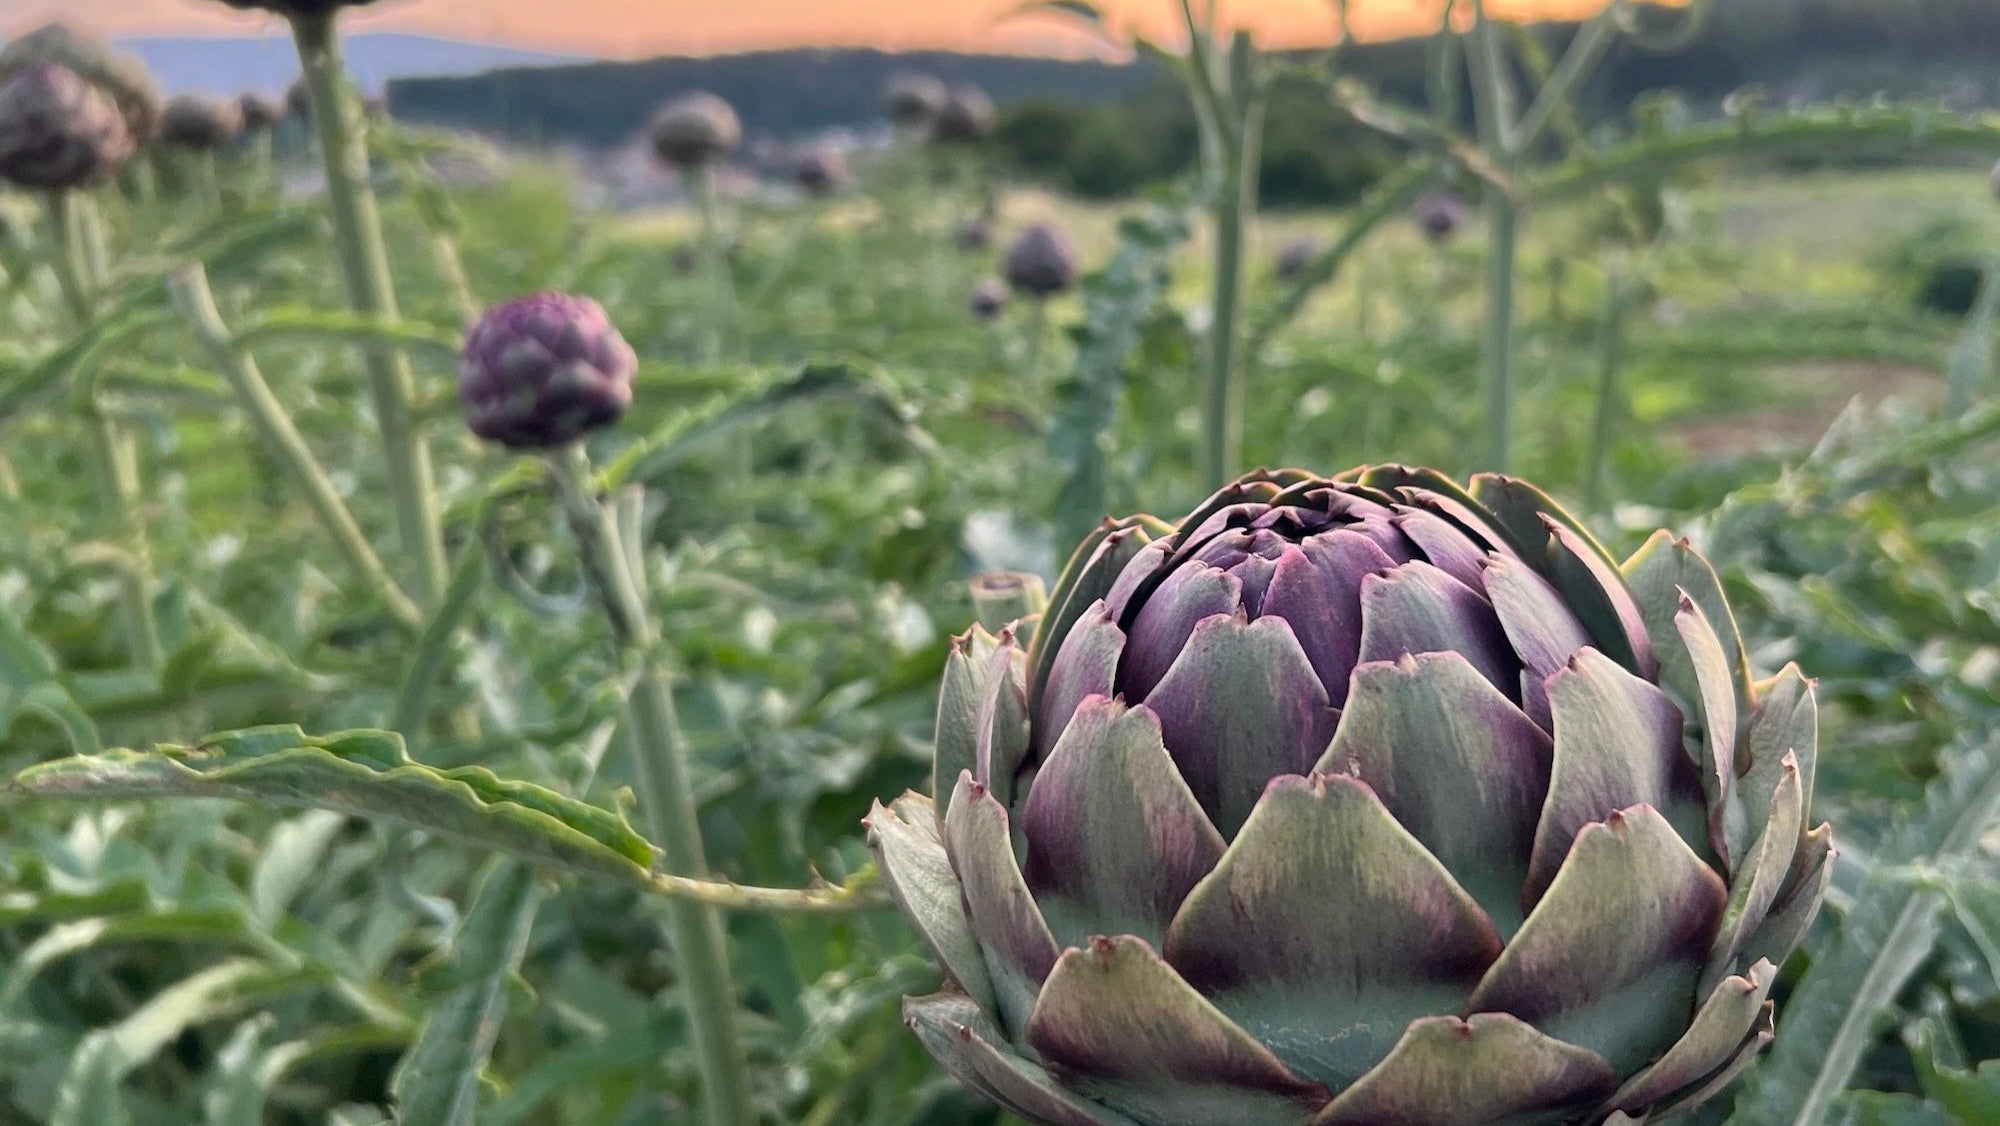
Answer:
[(638, 28)]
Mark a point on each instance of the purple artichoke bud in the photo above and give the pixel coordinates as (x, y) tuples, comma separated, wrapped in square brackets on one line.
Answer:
[(988, 299), (543, 371), (821, 172), (260, 111), (696, 130), (200, 124), (1041, 263), (974, 234), (1355, 801), (1439, 215), (965, 117), (57, 131), (914, 100), (1294, 258), (119, 76)]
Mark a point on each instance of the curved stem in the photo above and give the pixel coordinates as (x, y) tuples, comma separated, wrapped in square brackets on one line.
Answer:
[(1610, 356), (1240, 139), (666, 795), (364, 260), (114, 460)]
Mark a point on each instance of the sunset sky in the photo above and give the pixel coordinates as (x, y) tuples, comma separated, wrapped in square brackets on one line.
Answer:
[(628, 28)]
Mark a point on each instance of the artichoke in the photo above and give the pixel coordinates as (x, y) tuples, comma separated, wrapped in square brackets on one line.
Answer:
[(200, 124), (1041, 263), (988, 300), (261, 111), (696, 130), (1294, 258), (965, 117), (291, 9), (543, 371), (914, 100), (57, 131), (119, 76), (1439, 215), (821, 172), (1364, 800)]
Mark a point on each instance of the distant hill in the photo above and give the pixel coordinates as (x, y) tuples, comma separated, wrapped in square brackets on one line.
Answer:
[(226, 66), (781, 93)]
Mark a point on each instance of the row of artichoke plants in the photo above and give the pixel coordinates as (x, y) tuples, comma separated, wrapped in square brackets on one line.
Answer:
[(1520, 835)]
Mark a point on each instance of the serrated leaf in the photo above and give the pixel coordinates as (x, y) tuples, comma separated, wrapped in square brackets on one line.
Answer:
[(366, 774), (438, 1079)]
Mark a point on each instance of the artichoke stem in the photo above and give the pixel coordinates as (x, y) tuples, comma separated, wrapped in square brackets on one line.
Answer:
[(113, 459), (1235, 205), (1494, 103), (195, 301), (715, 259), (364, 259), (666, 792)]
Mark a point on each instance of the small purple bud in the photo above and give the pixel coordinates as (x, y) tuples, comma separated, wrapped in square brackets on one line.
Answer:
[(260, 111), (965, 118), (821, 173), (914, 100), (58, 132), (1041, 263), (696, 130), (1294, 258), (975, 234), (542, 371), (988, 299), (200, 124), (1439, 215)]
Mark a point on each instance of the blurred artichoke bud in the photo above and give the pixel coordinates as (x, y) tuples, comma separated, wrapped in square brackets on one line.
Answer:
[(965, 117), (260, 111), (1371, 800), (975, 233), (1041, 263), (1438, 215), (200, 124), (696, 130), (914, 100), (988, 299), (821, 172), (57, 131), (543, 371), (291, 9), (1294, 258), (121, 77)]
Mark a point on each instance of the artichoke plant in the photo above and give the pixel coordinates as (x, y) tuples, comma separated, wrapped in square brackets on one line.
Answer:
[(965, 117), (200, 124), (696, 130), (261, 111), (57, 131), (821, 172), (542, 371), (118, 76), (1362, 801), (988, 300), (914, 100), (1041, 263)]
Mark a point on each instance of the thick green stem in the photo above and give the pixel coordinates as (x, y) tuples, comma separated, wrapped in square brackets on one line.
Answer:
[(1495, 110), (195, 302), (1235, 204), (113, 458), (364, 260), (666, 795)]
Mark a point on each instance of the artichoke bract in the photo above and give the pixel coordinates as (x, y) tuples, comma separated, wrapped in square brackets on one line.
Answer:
[(1360, 801), (1041, 263), (696, 130), (57, 131), (543, 371), (200, 124)]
